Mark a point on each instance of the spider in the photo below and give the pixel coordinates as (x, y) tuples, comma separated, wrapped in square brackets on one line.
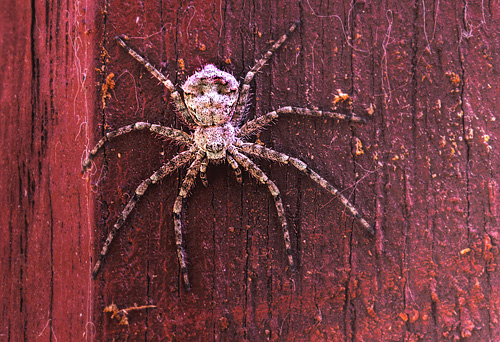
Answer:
[(212, 103)]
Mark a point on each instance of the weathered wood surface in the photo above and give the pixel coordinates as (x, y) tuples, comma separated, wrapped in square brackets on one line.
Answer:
[(423, 170), (47, 100)]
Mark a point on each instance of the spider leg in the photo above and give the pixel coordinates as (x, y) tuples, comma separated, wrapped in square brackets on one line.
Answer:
[(267, 153), (253, 126), (174, 94), (256, 172), (245, 87), (234, 165), (167, 132), (187, 185), (170, 166), (203, 171)]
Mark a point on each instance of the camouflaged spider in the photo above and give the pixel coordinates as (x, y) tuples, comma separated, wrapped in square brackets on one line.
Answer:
[(212, 105)]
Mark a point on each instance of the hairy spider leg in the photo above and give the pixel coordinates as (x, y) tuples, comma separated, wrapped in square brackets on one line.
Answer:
[(167, 132), (187, 185), (173, 164), (267, 153), (231, 162), (253, 126), (203, 171), (249, 166), (235, 167), (245, 86), (174, 94)]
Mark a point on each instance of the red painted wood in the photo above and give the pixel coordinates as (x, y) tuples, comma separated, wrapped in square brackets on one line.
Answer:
[(423, 167), (48, 93)]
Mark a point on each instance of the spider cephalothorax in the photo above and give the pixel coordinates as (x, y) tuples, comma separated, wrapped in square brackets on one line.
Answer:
[(214, 140), (212, 105)]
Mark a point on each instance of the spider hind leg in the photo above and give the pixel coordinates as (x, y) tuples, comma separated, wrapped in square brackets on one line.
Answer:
[(267, 153), (249, 166)]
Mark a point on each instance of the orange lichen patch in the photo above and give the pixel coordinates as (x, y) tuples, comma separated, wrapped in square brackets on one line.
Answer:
[(434, 297), (358, 147), (371, 312), (414, 316), (106, 87), (223, 323), (489, 253), (370, 110), (104, 57), (181, 64), (465, 251), (341, 98), (122, 315), (454, 78)]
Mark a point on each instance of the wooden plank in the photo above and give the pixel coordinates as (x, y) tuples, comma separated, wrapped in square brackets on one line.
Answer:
[(47, 98), (422, 170)]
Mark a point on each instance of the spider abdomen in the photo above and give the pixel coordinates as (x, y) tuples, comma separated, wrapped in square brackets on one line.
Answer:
[(210, 96), (214, 140)]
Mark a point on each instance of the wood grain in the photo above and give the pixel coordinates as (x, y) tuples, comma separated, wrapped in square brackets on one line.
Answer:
[(422, 170)]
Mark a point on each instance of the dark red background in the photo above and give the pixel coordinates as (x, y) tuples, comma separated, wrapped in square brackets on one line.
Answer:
[(427, 178)]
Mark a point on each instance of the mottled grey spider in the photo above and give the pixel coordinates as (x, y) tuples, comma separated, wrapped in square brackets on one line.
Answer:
[(212, 104)]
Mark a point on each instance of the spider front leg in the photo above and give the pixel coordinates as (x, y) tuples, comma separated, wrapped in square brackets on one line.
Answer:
[(170, 166), (231, 162), (253, 126), (267, 153), (245, 86), (257, 173), (234, 165), (167, 132), (203, 171), (174, 94), (187, 185)]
